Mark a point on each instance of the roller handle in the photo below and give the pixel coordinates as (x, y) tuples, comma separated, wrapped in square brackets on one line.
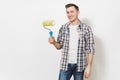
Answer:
[(51, 33)]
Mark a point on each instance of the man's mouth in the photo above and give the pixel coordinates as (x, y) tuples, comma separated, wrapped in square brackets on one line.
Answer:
[(70, 17)]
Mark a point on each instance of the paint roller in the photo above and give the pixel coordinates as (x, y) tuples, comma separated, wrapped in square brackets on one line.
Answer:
[(48, 23)]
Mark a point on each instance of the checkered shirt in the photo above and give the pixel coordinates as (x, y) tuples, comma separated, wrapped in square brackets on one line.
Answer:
[(85, 45)]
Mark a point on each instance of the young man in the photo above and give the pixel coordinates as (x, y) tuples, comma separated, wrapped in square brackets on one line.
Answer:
[(76, 41)]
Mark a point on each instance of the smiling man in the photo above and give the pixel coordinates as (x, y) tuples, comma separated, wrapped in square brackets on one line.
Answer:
[(75, 39)]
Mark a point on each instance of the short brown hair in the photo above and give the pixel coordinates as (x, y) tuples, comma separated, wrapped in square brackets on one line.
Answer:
[(71, 4)]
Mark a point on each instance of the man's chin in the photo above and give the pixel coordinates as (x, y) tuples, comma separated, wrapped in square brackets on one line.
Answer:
[(71, 21)]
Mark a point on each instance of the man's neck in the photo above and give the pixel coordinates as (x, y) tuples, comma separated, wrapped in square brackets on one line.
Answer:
[(76, 22)]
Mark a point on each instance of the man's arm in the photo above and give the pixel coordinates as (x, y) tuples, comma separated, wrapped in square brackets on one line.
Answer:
[(58, 44), (90, 59), (89, 66), (91, 50)]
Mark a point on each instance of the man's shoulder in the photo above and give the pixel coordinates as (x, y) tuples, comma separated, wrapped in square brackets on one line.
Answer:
[(84, 25), (64, 26)]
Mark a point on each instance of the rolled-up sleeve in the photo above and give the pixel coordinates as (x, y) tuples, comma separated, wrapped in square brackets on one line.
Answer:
[(60, 37), (90, 41)]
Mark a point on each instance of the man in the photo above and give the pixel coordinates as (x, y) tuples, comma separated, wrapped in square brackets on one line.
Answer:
[(76, 41)]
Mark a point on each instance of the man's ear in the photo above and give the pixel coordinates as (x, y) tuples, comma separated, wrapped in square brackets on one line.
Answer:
[(78, 12)]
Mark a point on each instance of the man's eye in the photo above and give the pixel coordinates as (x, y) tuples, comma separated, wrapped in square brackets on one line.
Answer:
[(67, 12)]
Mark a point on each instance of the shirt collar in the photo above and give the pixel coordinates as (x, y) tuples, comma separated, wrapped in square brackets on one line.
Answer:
[(79, 25)]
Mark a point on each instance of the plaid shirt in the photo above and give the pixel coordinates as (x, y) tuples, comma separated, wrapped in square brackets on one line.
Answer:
[(85, 45)]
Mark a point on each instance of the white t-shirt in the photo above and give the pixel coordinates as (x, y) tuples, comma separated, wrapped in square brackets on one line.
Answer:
[(73, 44)]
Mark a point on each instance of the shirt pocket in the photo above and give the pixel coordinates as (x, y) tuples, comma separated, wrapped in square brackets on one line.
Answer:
[(81, 35)]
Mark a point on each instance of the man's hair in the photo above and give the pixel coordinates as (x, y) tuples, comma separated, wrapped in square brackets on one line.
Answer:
[(70, 5)]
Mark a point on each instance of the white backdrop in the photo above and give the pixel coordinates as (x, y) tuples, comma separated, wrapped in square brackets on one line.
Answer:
[(25, 53)]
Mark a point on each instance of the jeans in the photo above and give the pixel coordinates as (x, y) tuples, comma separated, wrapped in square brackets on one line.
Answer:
[(72, 70)]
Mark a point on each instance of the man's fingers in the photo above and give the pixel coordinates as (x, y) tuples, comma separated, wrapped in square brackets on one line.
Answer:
[(51, 40), (86, 75)]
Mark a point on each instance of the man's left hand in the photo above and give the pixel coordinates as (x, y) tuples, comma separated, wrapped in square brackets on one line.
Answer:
[(87, 71)]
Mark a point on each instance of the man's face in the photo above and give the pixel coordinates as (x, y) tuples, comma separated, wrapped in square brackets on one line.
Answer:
[(72, 13)]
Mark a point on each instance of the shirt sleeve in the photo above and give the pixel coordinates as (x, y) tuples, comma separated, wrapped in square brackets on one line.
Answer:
[(90, 41), (60, 37)]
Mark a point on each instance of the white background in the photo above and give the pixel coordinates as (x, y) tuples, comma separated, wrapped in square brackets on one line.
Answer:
[(25, 53)]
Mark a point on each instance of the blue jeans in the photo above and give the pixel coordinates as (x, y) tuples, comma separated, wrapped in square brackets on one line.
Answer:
[(72, 70)]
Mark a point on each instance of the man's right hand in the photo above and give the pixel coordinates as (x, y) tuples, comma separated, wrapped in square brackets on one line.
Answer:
[(51, 40)]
